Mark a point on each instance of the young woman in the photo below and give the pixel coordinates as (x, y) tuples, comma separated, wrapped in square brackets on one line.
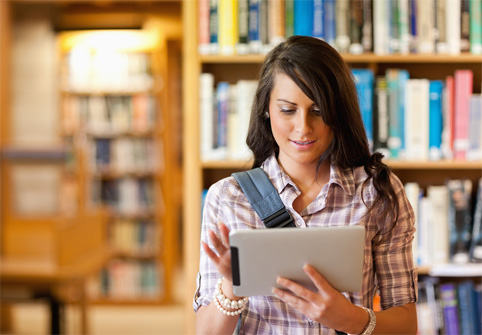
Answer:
[(307, 134)]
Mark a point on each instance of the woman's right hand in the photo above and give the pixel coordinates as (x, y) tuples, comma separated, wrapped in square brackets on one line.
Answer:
[(222, 257)]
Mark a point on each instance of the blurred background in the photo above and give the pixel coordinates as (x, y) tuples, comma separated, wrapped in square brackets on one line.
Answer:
[(90, 180)]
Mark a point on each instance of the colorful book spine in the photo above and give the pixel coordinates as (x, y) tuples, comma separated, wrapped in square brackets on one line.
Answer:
[(381, 119), (222, 100), (448, 292), (467, 307), (318, 19), (228, 26), (463, 80), (435, 120), (330, 23), (364, 80), (403, 76), (464, 26), (476, 27), (242, 47), (213, 26), (276, 10), (448, 119), (355, 26), (474, 151), (394, 26), (342, 13), (367, 31), (289, 18), (303, 17), (204, 36), (394, 128), (441, 45), (403, 26), (255, 45)]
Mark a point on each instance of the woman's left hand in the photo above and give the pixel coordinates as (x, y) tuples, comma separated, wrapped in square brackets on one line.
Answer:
[(326, 306)]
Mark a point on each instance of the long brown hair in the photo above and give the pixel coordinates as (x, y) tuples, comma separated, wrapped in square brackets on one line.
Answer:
[(323, 75)]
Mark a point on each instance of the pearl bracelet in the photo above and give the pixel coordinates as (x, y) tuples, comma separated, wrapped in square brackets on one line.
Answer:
[(226, 305)]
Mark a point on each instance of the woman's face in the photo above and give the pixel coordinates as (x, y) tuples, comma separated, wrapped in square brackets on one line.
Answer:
[(297, 125)]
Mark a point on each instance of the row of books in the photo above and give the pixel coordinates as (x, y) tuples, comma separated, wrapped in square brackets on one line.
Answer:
[(124, 155), (126, 196), (421, 119), (451, 308), (109, 114), (134, 237), (125, 279), (355, 26), (404, 118), (106, 70), (448, 222), (225, 113)]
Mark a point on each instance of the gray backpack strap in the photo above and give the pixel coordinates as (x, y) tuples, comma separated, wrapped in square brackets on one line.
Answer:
[(264, 198)]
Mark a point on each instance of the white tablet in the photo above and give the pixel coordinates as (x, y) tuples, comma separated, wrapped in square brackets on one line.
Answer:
[(259, 256)]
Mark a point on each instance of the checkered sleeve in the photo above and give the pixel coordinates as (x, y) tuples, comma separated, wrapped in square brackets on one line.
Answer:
[(392, 252)]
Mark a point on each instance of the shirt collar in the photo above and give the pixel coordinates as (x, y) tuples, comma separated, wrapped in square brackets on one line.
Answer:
[(279, 178)]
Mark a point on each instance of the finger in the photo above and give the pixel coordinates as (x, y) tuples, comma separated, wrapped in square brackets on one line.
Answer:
[(292, 300), (217, 243), (211, 254), (320, 282), (297, 289), (224, 233)]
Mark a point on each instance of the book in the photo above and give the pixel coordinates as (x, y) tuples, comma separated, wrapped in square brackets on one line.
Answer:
[(441, 45), (364, 80), (475, 27), (448, 118), (474, 151), (380, 125), (439, 239), (416, 119), (425, 232), (463, 80), (330, 22), (254, 31), (425, 317), (403, 76), (425, 26), (228, 26), (355, 25), (246, 90), (289, 18), (303, 17), (264, 26), (453, 20), (213, 26), (464, 25), (476, 242), (393, 26), (318, 19), (435, 119), (381, 27), (222, 104), (204, 36), (342, 12), (467, 307), (403, 26), (367, 30), (276, 10), (413, 192), (242, 46), (394, 129), (460, 229), (448, 293)]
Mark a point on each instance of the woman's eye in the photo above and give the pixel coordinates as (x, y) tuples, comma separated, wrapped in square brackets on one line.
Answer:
[(287, 111), (316, 111)]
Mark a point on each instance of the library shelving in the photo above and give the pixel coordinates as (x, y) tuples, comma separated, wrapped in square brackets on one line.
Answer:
[(125, 171), (200, 174)]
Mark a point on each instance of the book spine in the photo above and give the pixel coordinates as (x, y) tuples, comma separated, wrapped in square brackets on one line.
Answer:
[(227, 26), (355, 25), (466, 307), (403, 29), (425, 26), (448, 294), (222, 98), (289, 18), (381, 119), (330, 23), (342, 13), (453, 20), (476, 27), (394, 133), (364, 80), (318, 19), (367, 31), (440, 19), (435, 120), (448, 119), (264, 26), (476, 243), (254, 26), (439, 239), (416, 119), (393, 27), (242, 47), (277, 21), (206, 95), (474, 151), (464, 26), (463, 90), (303, 17), (204, 36), (213, 26), (380, 27), (403, 76)]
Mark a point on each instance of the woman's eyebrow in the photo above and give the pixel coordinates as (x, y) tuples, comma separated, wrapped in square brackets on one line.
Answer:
[(287, 101)]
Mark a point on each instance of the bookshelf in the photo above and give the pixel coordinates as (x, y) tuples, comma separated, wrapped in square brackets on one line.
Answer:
[(199, 174), (147, 160)]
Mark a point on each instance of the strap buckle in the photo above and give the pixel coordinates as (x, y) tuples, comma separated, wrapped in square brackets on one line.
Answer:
[(280, 219)]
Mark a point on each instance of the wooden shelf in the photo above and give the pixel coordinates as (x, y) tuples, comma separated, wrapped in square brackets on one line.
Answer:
[(462, 58)]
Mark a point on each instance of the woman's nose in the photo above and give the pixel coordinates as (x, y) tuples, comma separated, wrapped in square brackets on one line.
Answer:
[(303, 125)]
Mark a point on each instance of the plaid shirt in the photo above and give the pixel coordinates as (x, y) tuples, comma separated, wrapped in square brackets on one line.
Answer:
[(388, 263)]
